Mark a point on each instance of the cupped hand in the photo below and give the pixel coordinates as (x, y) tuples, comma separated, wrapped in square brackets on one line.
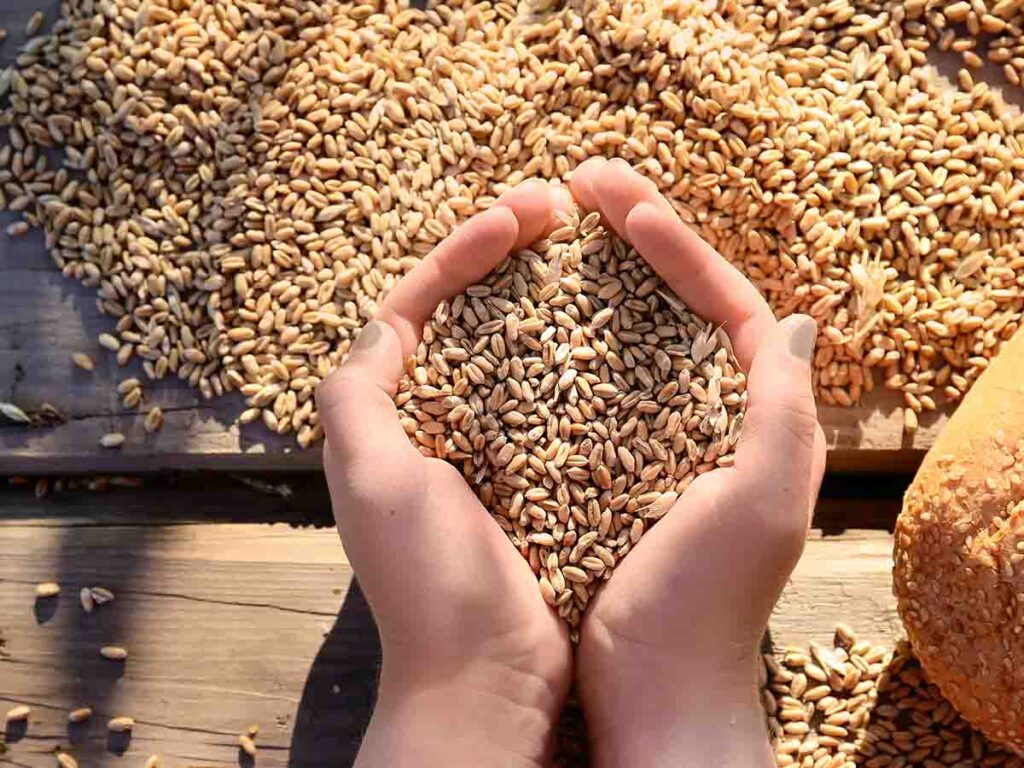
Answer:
[(669, 650), (474, 661)]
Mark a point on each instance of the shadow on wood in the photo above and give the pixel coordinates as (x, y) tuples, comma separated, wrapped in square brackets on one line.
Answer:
[(340, 689), (86, 678), (118, 743), (15, 731), (44, 609)]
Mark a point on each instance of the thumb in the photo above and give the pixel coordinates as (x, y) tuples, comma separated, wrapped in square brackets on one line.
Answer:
[(777, 453)]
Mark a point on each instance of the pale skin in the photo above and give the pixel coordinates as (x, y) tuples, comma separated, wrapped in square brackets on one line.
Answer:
[(476, 666)]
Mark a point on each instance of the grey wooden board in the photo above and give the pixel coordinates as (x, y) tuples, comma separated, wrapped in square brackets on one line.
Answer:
[(44, 318), (225, 626)]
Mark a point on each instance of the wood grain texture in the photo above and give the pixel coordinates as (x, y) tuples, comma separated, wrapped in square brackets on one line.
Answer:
[(225, 626), (44, 318)]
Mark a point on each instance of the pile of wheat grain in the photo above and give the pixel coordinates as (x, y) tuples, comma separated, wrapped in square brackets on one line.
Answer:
[(857, 704), (579, 397), (243, 181), (978, 30)]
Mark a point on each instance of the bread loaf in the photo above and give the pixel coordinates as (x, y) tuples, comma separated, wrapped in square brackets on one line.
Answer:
[(959, 554)]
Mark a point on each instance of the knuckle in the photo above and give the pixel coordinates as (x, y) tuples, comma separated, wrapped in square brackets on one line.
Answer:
[(797, 417), (335, 388)]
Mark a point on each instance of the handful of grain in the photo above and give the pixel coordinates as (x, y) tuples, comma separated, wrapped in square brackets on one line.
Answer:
[(579, 397)]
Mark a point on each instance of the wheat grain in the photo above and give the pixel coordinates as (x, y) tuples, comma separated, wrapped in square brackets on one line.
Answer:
[(65, 760), (247, 745), (113, 652), (83, 361), (128, 385), (112, 440), (154, 421), (18, 714), (101, 595), (241, 223), (80, 715), (47, 589), (120, 724), (35, 23), (14, 413), (856, 704)]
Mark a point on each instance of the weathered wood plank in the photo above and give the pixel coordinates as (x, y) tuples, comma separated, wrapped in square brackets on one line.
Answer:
[(846, 577), (845, 502), (225, 626), (45, 318)]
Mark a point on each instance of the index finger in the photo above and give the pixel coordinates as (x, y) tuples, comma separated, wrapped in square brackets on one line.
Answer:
[(703, 279), (519, 217), (356, 402)]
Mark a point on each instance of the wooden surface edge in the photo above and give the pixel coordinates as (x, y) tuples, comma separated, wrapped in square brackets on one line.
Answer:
[(201, 438), (45, 318)]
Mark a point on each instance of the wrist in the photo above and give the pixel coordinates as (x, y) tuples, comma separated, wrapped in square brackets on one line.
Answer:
[(646, 709), (452, 721), (727, 734)]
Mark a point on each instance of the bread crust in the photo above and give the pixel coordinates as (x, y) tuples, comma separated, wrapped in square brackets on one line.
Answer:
[(958, 572)]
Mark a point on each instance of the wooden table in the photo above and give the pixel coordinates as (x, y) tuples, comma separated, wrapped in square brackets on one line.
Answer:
[(240, 618), (45, 318)]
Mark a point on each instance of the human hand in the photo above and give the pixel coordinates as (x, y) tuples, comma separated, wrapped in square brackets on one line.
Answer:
[(474, 661), (667, 664)]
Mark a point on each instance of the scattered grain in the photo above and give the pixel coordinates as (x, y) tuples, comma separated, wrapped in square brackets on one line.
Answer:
[(240, 244), (13, 413), (101, 595), (876, 708), (47, 589), (113, 652), (910, 421), (154, 420), (112, 440), (35, 23), (18, 714), (65, 760), (120, 724), (86, 599), (79, 715), (247, 745), (83, 361)]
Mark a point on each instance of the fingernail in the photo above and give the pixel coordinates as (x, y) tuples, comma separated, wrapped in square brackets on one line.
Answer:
[(368, 338), (803, 334)]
